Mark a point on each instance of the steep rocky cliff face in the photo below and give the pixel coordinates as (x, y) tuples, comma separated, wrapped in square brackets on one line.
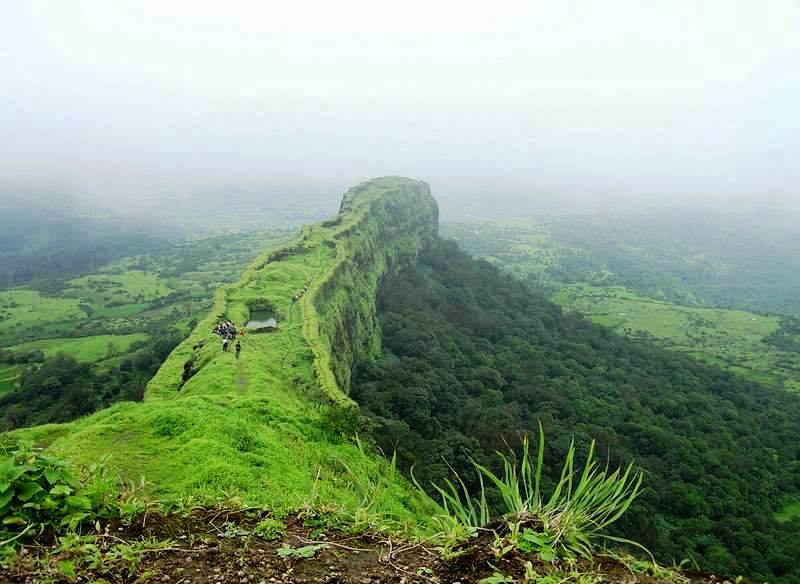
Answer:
[(386, 223)]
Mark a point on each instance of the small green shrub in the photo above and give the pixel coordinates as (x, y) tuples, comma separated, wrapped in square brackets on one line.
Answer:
[(170, 425), (300, 553), (652, 569), (498, 578), (231, 530), (39, 490), (270, 529), (341, 422), (531, 541), (80, 553)]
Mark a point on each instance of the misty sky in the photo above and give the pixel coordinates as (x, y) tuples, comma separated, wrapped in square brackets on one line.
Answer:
[(548, 102)]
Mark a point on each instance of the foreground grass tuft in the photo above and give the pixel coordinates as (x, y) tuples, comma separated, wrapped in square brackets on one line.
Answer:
[(570, 522)]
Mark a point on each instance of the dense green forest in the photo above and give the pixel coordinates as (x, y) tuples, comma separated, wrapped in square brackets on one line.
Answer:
[(718, 287), (474, 358), (60, 389)]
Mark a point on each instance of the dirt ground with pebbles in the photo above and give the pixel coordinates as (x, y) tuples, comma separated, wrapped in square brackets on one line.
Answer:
[(217, 547)]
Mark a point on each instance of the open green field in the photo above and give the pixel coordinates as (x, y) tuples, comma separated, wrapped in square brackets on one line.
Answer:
[(789, 512), (8, 376), (732, 339), (86, 349), (131, 286), (122, 311), (23, 311)]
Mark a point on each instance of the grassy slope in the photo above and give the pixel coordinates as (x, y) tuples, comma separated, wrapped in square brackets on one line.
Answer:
[(125, 297), (254, 426), (732, 339)]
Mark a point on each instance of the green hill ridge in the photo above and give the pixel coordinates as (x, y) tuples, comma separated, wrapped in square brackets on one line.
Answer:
[(260, 426)]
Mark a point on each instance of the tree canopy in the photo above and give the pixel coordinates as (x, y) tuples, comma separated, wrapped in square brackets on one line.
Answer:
[(473, 359)]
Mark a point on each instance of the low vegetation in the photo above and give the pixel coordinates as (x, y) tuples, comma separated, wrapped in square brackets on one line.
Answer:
[(60, 525), (569, 522), (40, 492)]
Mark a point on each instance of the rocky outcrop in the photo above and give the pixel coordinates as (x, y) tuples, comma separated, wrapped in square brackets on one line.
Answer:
[(384, 224)]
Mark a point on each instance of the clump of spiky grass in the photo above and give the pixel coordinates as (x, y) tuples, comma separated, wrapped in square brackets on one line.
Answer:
[(372, 491), (571, 520), (380, 499)]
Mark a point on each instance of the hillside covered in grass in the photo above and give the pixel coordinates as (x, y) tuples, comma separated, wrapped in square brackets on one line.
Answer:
[(267, 426), (121, 319)]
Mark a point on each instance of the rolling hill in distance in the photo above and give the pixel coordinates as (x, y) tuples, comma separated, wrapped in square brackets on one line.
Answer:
[(717, 286)]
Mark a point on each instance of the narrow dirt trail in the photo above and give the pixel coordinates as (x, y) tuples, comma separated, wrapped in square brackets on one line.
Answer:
[(289, 322), (213, 546), (241, 378), (295, 305)]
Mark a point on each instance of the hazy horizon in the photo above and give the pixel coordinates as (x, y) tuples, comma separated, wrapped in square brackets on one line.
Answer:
[(531, 106)]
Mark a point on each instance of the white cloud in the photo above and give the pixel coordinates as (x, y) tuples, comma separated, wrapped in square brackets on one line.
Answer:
[(681, 97)]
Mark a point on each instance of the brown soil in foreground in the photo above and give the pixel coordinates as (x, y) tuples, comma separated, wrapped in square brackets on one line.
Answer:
[(217, 547)]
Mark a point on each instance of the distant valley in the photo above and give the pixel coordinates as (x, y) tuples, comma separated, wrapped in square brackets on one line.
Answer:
[(642, 276)]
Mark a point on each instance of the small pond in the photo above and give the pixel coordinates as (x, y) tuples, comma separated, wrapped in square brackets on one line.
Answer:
[(262, 320)]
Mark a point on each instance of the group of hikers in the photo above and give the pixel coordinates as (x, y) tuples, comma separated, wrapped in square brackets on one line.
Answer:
[(227, 333), (302, 292)]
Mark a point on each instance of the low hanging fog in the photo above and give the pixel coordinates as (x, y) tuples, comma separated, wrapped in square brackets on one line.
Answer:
[(503, 107)]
